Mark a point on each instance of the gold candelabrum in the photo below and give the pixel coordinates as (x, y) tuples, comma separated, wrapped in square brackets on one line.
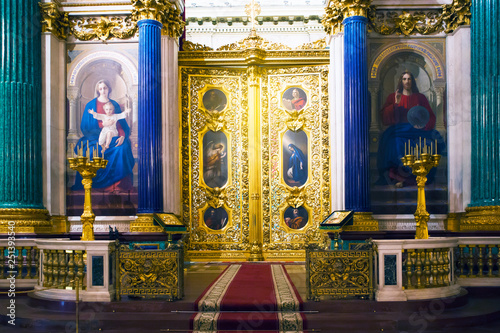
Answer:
[(421, 159), (87, 168)]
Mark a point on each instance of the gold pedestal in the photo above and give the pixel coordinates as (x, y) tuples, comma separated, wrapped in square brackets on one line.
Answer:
[(25, 220), (362, 221), (452, 222), (60, 224), (484, 218)]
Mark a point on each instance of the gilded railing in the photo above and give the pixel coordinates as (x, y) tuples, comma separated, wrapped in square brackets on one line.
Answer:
[(20, 259), (61, 269), (426, 268), (150, 273), (339, 274), (477, 258)]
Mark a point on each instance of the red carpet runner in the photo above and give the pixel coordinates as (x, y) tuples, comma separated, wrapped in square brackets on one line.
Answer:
[(250, 297)]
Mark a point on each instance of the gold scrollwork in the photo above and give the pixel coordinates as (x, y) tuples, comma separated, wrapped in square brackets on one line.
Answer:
[(332, 21), (456, 14), (319, 44), (216, 197), (406, 23), (104, 28), (27, 220), (53, 20)]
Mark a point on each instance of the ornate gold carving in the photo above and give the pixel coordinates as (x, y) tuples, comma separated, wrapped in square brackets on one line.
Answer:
[(150, 9), (295, 119), (254, 42), (26, 220), (190, 46), (481, 218), (252, 9), (296, 197), (215, 119), (406, 22), (170, 219), (150, 273), (456, 14), (53, 20), (339, 274), (104, 28), (144, 223), (216, 197), (362, 221), (319, 44)]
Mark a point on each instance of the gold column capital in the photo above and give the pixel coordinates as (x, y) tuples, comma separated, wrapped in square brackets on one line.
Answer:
[(53, 20), (456, 14), (173, 25), (338, 10), (150, 9), (355, 7)]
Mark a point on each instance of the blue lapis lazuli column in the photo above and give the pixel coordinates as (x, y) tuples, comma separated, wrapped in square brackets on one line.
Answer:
[(485, 106), (149, 118), (357, 116)]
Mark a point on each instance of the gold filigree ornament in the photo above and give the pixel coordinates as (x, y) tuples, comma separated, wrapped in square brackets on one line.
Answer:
[(215, 119), (53, 20), (103, 29), (355, 7), (319, 44), (456, 14), (296, 197)]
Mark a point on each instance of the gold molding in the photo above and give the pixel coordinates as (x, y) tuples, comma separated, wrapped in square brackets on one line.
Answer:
[(53, 20), (26, 220), (88, 28), (319, 44), (484, 218)]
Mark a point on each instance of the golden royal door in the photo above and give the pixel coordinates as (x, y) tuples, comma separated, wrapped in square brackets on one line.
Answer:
[(255, 154)]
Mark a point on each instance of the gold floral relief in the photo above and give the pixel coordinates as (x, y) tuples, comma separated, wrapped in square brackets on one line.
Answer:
[(314, 195), (197, 197)]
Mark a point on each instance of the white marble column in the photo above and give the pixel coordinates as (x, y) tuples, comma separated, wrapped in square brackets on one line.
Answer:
[(171, 125), (73, 98), (458, 69), (439, 88), (54, 123), (336, 92)]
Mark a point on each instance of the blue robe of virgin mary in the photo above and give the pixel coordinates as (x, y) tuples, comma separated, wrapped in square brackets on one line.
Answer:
[(120, 158), (298, 175)]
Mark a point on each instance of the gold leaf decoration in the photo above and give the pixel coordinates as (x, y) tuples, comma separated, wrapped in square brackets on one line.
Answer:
[(320, 44), (296, 197), (103, 29), (173, 25), (332, 21), (405, 22)]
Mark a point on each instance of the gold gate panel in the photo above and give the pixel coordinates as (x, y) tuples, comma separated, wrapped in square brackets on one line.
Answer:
[(303, 127), (215, 163)]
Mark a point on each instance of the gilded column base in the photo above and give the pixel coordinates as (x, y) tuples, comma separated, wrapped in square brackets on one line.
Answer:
[(452, 222), (362, 221), (26, 220), (256, 252), (145, 223), (485, 218), (60, 224)]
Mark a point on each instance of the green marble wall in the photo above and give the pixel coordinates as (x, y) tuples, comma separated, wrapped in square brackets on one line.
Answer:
[(21, 183)]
